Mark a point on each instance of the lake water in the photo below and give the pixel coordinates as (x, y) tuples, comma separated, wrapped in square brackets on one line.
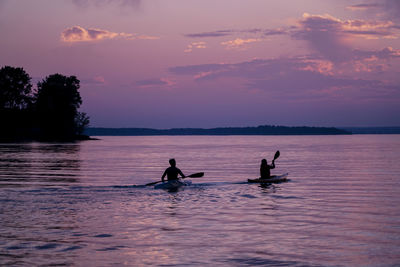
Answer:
[(76, 204)]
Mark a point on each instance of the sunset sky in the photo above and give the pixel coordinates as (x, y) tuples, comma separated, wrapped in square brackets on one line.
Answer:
[(212, 63)]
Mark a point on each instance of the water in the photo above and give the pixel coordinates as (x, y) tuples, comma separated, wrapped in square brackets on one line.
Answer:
[(82, 204)]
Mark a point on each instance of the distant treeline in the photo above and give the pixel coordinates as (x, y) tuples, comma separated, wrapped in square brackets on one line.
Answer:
[(260, 130), (48, 113), (373, 130)]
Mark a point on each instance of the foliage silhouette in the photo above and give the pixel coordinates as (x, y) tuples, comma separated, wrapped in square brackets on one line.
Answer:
[(50, 113), (82, 121), (57, 103), (16, 117), (15, 88)]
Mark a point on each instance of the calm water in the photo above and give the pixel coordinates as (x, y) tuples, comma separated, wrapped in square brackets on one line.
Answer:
[(76, 204)]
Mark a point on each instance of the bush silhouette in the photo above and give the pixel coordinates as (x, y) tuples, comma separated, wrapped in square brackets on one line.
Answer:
[(15, 88), (57, 103), (49, 113)]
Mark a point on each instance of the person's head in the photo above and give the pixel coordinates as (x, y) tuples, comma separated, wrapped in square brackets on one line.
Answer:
[(172, 162), (263, 161)]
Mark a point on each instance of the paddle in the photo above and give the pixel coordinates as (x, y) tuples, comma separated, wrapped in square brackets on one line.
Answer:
[(194, 175), (277, 154)]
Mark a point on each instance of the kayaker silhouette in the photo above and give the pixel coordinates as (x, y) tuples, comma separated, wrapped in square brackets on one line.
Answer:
[(172, 172), (265, 169)]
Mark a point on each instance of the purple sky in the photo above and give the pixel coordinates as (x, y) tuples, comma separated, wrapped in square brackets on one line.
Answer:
[(208, 63)]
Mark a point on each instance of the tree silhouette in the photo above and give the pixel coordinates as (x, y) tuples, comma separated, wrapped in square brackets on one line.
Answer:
[(15, 88), (57, 103), (16, 119), (51, 113), (81, 122)]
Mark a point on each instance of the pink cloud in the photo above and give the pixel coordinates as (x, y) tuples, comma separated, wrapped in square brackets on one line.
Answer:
[(100, 79), (386, 8), (330, 36), (294, 78), (96, 81), (238, 43), (80, 34), (195, 45), (384, 54), (364, 6)]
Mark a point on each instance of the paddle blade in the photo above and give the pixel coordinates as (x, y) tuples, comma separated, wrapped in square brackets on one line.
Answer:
[(196, 175), (277, 154)]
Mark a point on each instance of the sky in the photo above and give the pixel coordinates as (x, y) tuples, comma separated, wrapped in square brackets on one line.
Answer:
[(214, 63)]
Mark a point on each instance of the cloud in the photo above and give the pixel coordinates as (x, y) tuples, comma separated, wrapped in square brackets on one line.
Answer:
[(323, 34), (373, 61), (195, 45), (384, 54), (147, 37), (154, 82), (219, 33), (80, 34), (330, 36), (254, 70), (99, 3), (224, 33), (279, 31), (392, 8), (387, 8), (369, 30), (97, 80), (261, 68), (238, 43), (297, 77), (364, 6)]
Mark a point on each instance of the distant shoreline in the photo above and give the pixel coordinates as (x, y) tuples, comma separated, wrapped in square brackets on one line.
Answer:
[(259, 130), (372, 130)]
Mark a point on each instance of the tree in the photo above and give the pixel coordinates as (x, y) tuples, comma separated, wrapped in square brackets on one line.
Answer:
[(15, 103), (57, 103), (15, 88), (81, 122)]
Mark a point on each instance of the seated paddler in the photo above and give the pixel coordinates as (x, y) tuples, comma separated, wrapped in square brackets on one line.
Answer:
[(265, 169), (172, 172)]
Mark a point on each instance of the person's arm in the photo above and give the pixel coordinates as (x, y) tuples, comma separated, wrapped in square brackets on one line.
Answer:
[(273, 164), (181, 174), (163, 176)]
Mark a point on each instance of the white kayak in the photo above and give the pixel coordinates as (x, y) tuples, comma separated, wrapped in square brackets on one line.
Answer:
[(173, 184), (274, 179)]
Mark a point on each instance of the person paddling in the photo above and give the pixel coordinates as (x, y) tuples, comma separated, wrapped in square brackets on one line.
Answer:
[(172, 172), (265, 169)]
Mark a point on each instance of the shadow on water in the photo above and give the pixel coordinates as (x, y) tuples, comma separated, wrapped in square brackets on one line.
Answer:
[(38, 163)]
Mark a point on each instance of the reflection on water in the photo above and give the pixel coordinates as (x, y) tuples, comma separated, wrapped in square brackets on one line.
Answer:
[(76, 204), (38, 163)]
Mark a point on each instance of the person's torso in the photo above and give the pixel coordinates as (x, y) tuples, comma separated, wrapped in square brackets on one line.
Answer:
[(172, 173), (265, 171)]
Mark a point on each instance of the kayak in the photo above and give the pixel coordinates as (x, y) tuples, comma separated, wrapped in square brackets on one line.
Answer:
[(172, 185), (272, 180)]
